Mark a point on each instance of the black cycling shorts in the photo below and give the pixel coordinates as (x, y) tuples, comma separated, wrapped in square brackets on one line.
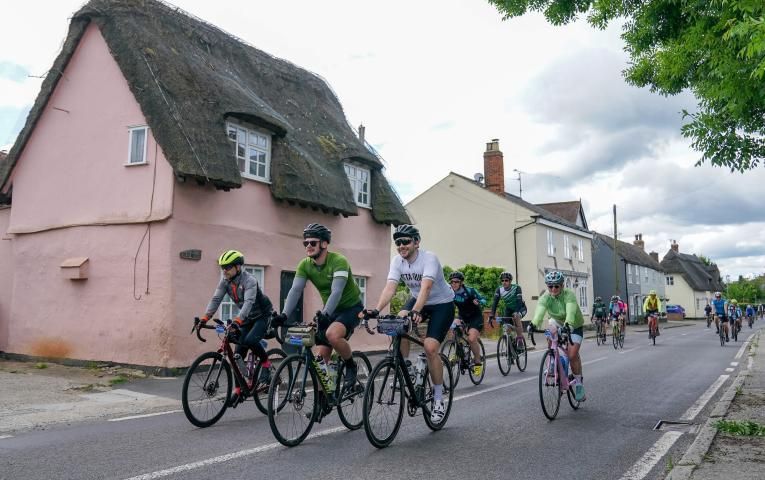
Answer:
[(475, 322), (440, 317), (348, 317)]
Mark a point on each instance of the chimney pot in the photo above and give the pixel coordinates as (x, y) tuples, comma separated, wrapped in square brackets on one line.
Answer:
[(654, 255), (639, 241), (675, 246)]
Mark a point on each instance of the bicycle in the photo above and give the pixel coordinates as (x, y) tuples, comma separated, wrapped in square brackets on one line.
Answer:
[(457, 350), (390, 382), (709, 320), (511, 348), (301, 383), (554, 379), (735, 328), (212, 373), (721, 330), (750, 320), (653, 328), (600, 331), (617, 336)]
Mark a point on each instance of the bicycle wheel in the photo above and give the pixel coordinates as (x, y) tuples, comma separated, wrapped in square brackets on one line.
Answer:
[(621, 338), (549, 388), (722, 337), (477, 379), (293, 401), (350, 406), (504, 358), (206, 389), (521, 354), (615, 337), (449, 349), (599, 335), (383, 403), (447, 395), (275, 355), (572, 399), (652, 333), (735, 332)]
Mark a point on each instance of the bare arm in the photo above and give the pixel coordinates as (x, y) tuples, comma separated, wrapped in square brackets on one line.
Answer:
[(387, 294)]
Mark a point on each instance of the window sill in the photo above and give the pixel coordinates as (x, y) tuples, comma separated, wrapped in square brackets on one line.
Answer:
[(135, 164), (368, 207), (255, 179)]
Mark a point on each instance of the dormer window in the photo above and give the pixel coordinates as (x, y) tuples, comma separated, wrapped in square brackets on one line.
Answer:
[(359, 178), (252, 149)]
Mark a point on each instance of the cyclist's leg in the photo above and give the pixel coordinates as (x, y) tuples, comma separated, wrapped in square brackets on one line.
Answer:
[(473, 334), (253, 337), (441, 318), (717, 323), (517, 322), (575, 360), (341, 329)]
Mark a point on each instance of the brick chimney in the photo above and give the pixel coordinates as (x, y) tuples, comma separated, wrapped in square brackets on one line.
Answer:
[(639, 242), (675, 246), (655, 256), (493, 167)]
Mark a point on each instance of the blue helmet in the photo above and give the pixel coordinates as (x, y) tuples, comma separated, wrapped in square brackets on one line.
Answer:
[(554, 278)]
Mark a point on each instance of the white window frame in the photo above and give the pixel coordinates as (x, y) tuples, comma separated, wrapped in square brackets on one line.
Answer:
[(670, 280), (250, 135), (566, 246), (550, 243), (361, 184), (637, 274), (361, 282), (629, 273), (645, 274), (144, 159), (228, 309), (580, 249), (583, 297)]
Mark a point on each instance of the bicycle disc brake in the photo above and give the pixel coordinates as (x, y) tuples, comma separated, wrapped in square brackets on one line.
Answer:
[(411, 408)]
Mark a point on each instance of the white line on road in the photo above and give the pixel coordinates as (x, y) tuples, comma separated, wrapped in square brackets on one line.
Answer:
[(133, 417), (628, 350), (704, 398), (642, 467), (741, 350), (5, 436), (734, 364), (730, 369)]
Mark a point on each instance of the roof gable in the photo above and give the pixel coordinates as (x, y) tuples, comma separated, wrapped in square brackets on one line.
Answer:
[(190, 77), (571, 211)]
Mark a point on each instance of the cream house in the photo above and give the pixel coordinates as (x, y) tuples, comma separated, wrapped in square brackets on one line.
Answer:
[(689, 282), (475, 221)]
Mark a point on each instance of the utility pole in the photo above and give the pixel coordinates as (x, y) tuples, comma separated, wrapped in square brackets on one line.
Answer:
[(616, 257)]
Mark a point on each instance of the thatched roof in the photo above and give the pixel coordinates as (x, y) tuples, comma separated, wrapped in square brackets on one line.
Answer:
[(630, 253), (699, 277), (4, 199), (569, 211), (189, 77)]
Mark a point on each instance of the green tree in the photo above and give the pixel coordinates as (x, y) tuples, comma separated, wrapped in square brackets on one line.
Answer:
[(715, 48), (745, 291), (706, 260)]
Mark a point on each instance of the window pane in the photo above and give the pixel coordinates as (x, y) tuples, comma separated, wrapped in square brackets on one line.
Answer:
[(241, 135), (253, 168), (262, 170), (239, 150), (240, 161), (137, 142), (231, 133)]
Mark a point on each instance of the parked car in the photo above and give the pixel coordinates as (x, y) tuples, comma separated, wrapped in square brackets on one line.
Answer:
[(676, 309)]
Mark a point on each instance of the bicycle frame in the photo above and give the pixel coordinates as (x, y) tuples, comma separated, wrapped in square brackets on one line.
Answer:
[(394, 352), (554, 345), (228, 356)]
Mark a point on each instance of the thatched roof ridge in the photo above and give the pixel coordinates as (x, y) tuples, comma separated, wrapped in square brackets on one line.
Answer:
[(189, 77), (700, 277)]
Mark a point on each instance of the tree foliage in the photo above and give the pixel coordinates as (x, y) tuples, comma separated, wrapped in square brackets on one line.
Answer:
[(746, 291), (714, 48), (706, 260)]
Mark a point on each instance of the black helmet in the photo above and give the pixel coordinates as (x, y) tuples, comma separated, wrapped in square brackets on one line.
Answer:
[(506, 275), (457, 275), (406, 231), (317, 230)]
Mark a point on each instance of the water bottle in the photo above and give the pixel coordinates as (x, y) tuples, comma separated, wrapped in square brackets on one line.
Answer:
[(240, 363), (564, 361), (323, 370), (419, 369)]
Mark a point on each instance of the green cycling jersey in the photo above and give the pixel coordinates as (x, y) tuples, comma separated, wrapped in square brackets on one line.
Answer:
[(563, 308), (336, 265)]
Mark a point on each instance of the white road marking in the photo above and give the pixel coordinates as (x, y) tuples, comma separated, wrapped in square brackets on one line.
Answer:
[(729, 369), (683, 334), (741, 350), (734, 364), (143, 416), (642, 467), (628, 350), (5, 436), (704, 398)]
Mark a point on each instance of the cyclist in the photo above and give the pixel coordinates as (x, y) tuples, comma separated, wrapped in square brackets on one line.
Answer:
[(254, 310), (515, 307), (616, 309), (331, 274), (749, 313), (721, 316), (470, 305), (651, 306), (599, 311), (423, 275), (708, 313), (734, 315), (561, 305)]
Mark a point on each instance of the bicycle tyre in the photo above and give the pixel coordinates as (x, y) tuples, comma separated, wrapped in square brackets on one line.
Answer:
[(735, 332), (598, 335), (447, 393), (350, 406), (449, 349), (653, 334), (385, 388), (615, 337), (549, 386), (521, 357), (572, 399), (504, 356), (289, 422), (722, 337), (260, 396), (478, 379), (209, 398), (621, 339)]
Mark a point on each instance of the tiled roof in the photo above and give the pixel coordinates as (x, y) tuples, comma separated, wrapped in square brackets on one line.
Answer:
[(631, 253)]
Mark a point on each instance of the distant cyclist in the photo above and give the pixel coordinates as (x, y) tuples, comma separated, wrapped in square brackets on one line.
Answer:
[(708, 313), (734, 315), (515, 307), (651, 306), (599, 314), (749, 313), (470, 305), (617, 310)]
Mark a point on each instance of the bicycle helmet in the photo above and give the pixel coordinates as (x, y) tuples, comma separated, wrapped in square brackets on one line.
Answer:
[(554, 278), (317, 230), (506, 276), (406, 230), (734, 301), (598, 299), (456, 275), (652, 292), (231, 257)]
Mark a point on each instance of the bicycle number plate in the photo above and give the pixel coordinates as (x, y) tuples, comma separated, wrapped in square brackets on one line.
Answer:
[(220, 328), (393, 327), (304, 336)]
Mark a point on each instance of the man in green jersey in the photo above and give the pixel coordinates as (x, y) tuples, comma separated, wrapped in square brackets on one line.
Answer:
[(331, 274), (561, 305)]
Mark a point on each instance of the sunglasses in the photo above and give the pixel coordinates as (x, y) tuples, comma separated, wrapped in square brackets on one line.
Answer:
[(553, 286), (402, 241), (227, 267), (312, 243), (455, 281), (505, 279)]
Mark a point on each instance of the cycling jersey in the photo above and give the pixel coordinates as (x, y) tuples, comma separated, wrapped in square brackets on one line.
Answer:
[(245, 292), (513, 298), (719, 306), (463, 299), (651, 304), (321, 276), (599, 310), (426, 265), (617, 308), (749, 311), (734, 312), (563, 308)]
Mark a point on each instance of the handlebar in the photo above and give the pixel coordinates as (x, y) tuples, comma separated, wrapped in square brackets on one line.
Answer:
[(198, 325)]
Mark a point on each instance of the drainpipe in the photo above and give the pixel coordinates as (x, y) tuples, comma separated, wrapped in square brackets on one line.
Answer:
[(515, 245)]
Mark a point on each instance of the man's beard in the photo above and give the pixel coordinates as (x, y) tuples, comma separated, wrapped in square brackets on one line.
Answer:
[(318, 254)]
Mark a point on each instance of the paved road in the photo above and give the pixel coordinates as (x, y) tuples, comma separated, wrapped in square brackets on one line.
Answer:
[(496, 430)]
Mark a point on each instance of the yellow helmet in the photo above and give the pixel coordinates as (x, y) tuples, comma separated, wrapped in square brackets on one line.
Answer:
[(652, 292), (231, 257), (734, 301)]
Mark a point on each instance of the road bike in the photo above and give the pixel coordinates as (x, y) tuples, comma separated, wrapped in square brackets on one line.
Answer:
[(617, 336), (303, 391), (709, 319), (209, 381), (735, 328), (653, 327), (390, 385), (554, 378), (457, 351), (722, 323), (750, 320), (511, 348), (600, 331)]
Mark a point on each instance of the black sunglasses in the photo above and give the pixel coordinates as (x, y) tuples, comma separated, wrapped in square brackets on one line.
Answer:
[(312, 243), (227, 267), (402, 241), (553, 286), (455, 281)]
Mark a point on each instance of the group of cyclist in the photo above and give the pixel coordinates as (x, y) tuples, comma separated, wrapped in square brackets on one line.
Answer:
[(430, 296), (728, 314), (616, 310)]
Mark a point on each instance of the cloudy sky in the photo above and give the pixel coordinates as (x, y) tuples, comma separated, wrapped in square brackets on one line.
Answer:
[(433, 81)]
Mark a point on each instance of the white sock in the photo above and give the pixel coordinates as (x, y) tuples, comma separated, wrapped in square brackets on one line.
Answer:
[(438, 391), (578, 378)]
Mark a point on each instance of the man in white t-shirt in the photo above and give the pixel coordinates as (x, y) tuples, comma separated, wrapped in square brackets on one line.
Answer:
[(423, 275)]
